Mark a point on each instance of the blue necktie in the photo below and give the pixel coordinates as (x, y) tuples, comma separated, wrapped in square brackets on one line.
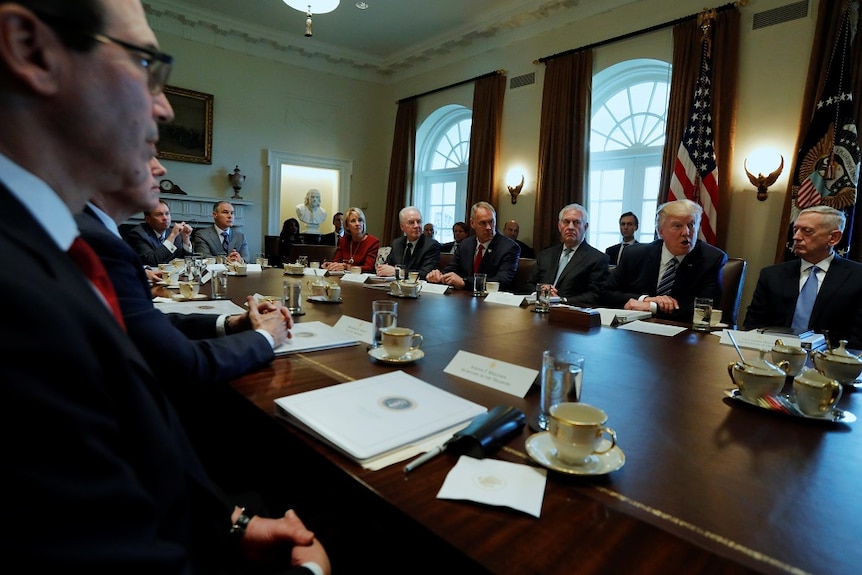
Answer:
[(666, 283), (564, 261), (224, 243), (805, 302)]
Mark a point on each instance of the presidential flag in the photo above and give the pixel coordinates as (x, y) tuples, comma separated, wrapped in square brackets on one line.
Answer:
[(695, 173), (827, 163)]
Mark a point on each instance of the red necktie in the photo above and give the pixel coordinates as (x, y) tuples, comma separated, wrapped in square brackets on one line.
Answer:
[(90, 265), (478, 259)]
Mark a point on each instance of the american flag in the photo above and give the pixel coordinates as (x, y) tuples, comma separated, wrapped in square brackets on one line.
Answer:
[(695, 174)]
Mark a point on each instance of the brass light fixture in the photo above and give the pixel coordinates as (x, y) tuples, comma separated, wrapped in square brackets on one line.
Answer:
[(311, 7), (513, 185), (762, 161)]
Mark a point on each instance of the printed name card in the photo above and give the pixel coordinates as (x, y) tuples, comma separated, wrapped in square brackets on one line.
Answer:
[(361, 330), (355, 278), (505, 298), (506, 377), (434, 288)]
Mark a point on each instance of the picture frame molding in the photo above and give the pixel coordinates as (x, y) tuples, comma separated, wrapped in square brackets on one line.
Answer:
[(167, 149)]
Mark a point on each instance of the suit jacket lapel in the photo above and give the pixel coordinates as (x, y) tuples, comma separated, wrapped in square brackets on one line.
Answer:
[(836, 276)]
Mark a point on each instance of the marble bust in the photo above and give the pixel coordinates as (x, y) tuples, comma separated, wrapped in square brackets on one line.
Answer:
[(310, 213)]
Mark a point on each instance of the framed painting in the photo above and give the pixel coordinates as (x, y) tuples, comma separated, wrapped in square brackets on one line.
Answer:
[(189, 138)]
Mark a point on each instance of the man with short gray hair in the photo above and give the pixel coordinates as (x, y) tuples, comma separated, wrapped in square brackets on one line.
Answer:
[(414, 251)]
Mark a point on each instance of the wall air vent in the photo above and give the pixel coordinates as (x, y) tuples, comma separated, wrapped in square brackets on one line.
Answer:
[(782, 14), (523, 80)]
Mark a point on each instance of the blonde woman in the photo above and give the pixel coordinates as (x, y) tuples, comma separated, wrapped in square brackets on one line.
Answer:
[(356, 248)]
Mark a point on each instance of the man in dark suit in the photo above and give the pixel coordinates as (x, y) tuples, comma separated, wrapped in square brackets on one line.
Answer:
[(665, 276), (414, 251), (155, 241), (104, 477), (778, 299), (179, 347), (628, 226), (572, 269), (459, 231), (511, 230), (485, 252), (331, 239), (210, 241)]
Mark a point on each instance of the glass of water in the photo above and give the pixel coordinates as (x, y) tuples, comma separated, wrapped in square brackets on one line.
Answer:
[(562, 376), (384, 313)]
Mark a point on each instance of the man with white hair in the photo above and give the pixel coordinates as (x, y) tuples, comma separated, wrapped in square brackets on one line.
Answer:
[(414, 251), (665, 276), (819, 291)]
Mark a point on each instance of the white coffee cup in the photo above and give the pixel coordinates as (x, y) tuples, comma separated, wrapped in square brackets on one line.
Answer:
[(188, 290), (355, 270), (576, 430), (170, 277), (492, 286), (399, 341), (815, 393)]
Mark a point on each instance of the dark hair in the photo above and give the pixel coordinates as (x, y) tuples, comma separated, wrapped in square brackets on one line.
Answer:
[(632, 214), (463, 227), (74, 21), (287, 221)]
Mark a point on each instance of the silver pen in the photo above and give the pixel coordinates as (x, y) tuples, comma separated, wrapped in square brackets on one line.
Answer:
[(427, 456)]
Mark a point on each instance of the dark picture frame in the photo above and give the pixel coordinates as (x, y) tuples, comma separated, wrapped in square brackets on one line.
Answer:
[(189, 138)]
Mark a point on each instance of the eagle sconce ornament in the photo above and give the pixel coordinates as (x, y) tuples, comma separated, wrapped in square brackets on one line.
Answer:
[(762, 182)]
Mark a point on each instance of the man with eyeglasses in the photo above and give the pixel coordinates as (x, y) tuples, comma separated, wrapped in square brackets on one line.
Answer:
[(103, 477)]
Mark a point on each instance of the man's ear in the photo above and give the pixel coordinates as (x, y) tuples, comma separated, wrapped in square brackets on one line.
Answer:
[(30, 51)]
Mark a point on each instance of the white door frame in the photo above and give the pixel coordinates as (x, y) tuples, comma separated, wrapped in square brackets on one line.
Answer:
[(276, 159)]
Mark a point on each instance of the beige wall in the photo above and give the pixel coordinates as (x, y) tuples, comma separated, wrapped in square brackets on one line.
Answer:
[(263, 104)]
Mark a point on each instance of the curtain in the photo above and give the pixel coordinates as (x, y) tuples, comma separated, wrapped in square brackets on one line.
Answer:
[(401, 166), (825, 36), (488, 94), (563, 167), (724, 81)]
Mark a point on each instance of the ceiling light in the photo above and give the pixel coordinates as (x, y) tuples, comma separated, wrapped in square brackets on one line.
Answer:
[(311, 7)]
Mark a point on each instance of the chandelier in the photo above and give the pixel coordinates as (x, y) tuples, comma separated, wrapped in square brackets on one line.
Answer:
[(311, 7)]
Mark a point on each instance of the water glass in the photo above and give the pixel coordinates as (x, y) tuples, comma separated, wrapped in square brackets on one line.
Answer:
[(479, 284), (384, 313), (219, 284), (543, 299), (561, 380), (702, 314), (292, 296)]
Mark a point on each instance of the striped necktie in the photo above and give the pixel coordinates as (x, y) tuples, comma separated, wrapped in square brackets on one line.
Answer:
[(805, 302), (666, 282), (225, 244)]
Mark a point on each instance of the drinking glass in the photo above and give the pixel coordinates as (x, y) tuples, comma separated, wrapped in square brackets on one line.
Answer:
[(702, 313), (543, 299), (292, 296), (479, 284), (384, 313), (562, 377), (219, 284)]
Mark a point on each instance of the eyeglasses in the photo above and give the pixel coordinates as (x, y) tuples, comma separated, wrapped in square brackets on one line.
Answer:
[(158, 64)]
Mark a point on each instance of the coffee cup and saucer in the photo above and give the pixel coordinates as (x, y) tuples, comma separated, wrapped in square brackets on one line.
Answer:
[(577, 442), (400, 345)]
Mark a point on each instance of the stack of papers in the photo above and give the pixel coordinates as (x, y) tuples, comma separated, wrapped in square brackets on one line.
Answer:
[(314, 336), (759, 339), (371, 418)]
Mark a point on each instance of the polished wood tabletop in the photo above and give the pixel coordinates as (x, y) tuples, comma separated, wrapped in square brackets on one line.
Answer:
[(709, 485)]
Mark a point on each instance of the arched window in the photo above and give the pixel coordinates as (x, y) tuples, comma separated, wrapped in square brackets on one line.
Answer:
[(626, 142), (442, 152)]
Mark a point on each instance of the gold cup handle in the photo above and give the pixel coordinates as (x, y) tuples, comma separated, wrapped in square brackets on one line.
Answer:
[(413, 341), (612, 434)]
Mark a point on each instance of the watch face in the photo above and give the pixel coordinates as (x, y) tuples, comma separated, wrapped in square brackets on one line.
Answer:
[(166, 185)]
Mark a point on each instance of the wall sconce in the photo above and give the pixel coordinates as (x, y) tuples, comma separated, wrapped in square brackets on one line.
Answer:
[(312, 7), (762, 161), (236, 180), (514, 188)]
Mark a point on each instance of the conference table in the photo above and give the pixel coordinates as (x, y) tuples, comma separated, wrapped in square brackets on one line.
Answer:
[(709, 484)]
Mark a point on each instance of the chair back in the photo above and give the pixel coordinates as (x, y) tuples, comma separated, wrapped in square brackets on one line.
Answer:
[(525, 271), (315, 252), (732, 280), (445, 260)]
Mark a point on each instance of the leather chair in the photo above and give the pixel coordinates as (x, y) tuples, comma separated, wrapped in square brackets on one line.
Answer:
[(271, 249), (522, 277), (732, 280), (315, 253), (445, 260)]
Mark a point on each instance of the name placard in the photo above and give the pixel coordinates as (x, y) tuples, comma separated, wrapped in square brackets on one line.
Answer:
[(505, 298), (434, 288), (500, 375), (360, 329), (355, 278)]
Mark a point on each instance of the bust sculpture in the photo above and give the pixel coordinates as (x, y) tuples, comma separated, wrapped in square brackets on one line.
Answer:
[(310, 213)]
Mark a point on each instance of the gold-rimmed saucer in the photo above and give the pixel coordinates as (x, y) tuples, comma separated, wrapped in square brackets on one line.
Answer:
[(379, 353), (541, 449)]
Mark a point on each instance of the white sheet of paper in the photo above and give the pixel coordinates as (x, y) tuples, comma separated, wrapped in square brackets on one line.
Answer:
[(216, 267), (505, 298), (756, 340), (360, 329), (317, 272), (355, 278), (653, 328), (254, 268), (500, 375), (438, 289), (217, 307), (494, 482), (609, 314)]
